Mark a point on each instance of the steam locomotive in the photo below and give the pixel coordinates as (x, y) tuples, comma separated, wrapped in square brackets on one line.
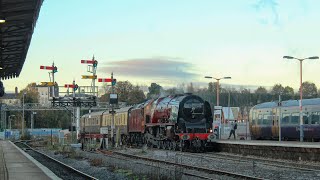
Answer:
[(180, 122)]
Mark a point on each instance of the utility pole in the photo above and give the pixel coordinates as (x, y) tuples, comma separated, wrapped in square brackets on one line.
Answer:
[(112, 112), (94, 70), (73, 97), (22, 123), (279, 121), (53, 71), (228, 109), (32, 121)]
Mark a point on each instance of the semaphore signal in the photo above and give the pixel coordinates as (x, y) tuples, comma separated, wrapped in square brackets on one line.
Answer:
[(53, 70), (68, 85), (47, 67), (92, 68)]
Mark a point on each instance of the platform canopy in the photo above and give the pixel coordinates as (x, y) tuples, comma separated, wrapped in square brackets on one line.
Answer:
[(17, 22)]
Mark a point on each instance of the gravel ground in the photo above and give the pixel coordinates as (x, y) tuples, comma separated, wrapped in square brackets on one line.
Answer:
[(55, 167), (83, 164), (253, 169), (117, 167)]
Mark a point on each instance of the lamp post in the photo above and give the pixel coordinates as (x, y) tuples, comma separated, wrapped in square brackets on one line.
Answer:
[(22, 125), (218, 93), (10, 119), (300, 103)]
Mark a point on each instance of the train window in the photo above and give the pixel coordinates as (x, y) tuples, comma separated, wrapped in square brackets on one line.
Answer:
[(305, 118), (259, 119), (295, 118), (253, 118), (314, 117), (285, 118), (267, 119)]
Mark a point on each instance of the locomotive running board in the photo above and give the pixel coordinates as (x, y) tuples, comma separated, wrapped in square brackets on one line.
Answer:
[(159, 124)]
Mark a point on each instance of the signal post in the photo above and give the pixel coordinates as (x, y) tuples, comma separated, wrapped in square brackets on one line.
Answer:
[(92, 68), (113, 100), (53, 70), (74, 87)]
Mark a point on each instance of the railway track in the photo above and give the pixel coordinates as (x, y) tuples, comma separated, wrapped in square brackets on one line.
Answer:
[(253, 160), (62, 170), (256, 160), (188, 167)]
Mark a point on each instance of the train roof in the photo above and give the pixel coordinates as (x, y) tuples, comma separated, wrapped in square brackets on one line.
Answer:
[(123, 109), (289, 103)]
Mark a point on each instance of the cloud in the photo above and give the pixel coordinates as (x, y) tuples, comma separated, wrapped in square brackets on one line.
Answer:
[(268, 12), (172, 69)]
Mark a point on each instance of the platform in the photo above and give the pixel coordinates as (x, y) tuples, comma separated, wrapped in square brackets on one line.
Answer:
[(293, 150), (15, 164)]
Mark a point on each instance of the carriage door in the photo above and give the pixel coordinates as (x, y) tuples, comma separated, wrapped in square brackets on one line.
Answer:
[(275, 122)]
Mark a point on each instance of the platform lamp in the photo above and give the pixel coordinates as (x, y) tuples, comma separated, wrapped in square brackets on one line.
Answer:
[(2, 19), (300, 103), (218, 94)]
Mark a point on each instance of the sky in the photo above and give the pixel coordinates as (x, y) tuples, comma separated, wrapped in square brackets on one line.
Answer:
[(171, 42)]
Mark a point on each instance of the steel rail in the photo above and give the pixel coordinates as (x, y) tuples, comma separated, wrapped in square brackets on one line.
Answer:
[(5, 174), (82, 174), (261, 161), (200, 169)]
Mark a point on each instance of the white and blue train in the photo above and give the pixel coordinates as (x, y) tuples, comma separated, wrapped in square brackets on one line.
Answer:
[(264, 120)]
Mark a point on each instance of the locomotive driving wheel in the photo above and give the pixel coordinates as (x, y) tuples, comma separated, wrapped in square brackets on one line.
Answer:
[(160, 144), (171, 145), (182, 147), (166, 144)]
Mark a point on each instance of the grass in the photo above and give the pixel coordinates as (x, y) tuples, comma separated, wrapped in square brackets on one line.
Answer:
[(96, 162)]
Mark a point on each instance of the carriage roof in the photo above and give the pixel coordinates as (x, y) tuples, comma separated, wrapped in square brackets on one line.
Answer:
[(289, 103), (123, 109)]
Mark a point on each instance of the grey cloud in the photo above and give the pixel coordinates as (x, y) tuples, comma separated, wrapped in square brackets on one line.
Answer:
[(152, 68)]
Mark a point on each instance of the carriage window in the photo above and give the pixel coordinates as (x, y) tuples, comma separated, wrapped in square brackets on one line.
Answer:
[(305, 118), (253, 118), (267, 119), (314, 117), (295, 118), (285, 118), (260, 119)]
